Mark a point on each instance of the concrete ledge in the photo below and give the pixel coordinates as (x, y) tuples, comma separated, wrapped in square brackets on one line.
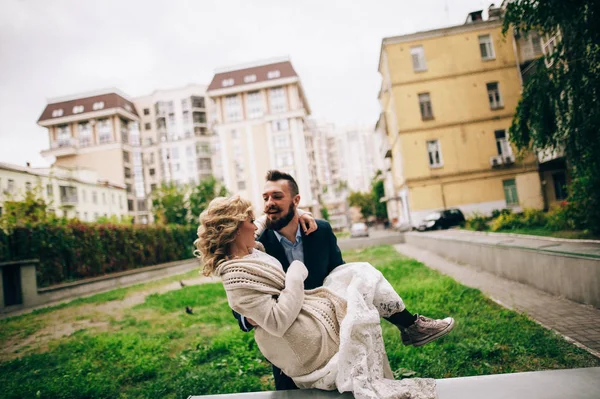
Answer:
[(552, 384), (558, 271)]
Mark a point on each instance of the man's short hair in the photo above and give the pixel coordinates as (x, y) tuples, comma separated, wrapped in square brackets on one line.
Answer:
[(275, 175)]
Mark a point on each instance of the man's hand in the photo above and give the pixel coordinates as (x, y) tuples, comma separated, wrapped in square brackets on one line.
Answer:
[(308, 223), (250, 321)]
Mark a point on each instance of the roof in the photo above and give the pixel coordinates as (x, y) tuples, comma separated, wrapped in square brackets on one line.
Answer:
[(110, 100), (285, 68)]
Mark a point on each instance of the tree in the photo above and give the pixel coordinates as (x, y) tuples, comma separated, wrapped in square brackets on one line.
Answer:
[(364, 201), (559, 109), (324, 212), (378, 192), (203, 193), (32, 209), (169, 204)]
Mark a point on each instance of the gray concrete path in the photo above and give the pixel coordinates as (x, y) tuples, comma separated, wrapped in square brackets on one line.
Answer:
[(586, 248), (579, 323)]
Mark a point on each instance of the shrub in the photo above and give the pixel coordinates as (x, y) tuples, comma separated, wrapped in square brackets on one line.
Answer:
[(562, 217), (477, 222), (533, 218), (507, 222), (498, 212), (78, 250)]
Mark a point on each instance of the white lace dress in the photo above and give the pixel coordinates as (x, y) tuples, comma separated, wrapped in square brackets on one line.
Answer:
[(361, 365)]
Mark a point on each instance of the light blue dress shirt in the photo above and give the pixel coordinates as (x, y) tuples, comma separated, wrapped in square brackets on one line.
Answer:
[(293, 251)]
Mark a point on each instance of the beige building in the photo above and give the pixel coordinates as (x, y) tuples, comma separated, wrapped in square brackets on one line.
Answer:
[(70, 193), (177, 142), (260, 112), (447, 98), (99, 131)]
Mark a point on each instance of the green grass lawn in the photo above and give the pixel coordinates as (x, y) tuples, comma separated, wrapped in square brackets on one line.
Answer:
[(156, 350)]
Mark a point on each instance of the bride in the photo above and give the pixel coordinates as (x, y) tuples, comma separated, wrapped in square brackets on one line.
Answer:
[(326, 338)]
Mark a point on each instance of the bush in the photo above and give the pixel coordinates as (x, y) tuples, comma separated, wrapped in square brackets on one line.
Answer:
[(507, 222), (562, 217), (533, 218), (77, 250), (477, 222), (498, 212)]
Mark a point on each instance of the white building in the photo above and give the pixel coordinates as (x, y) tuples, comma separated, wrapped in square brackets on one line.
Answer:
[(178, 144), (260, 111), (68, 192)]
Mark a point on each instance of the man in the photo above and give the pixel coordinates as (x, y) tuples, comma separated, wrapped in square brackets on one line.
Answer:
[(286, 241)]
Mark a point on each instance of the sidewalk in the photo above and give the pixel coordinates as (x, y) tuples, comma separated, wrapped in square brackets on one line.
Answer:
[(578, 323)]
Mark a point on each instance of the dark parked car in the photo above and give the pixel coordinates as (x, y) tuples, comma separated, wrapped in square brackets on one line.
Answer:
[(442, 220)]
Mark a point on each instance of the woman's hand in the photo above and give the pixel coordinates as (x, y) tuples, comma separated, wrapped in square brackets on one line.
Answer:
[(308, 223)]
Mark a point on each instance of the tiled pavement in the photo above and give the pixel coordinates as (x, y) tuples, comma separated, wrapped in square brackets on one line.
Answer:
[(578, 323)]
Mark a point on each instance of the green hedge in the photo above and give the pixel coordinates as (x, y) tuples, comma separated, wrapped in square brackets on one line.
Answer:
[(80, 250)]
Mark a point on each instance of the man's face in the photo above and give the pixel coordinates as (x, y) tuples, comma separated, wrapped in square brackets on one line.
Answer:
[(280, 207)]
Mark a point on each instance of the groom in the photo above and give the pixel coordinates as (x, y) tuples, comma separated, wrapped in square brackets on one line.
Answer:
[(285, 240)]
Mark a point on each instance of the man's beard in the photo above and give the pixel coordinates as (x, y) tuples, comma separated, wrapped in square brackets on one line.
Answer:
[(284, 221)]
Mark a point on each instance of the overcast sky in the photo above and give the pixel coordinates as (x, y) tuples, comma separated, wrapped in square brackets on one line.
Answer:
[(51, 48)]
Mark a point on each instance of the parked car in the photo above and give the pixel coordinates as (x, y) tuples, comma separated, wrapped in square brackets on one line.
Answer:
[(359, 230), (442, 220)]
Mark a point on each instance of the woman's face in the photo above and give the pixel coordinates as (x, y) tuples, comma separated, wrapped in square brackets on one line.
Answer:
[(246, 231)]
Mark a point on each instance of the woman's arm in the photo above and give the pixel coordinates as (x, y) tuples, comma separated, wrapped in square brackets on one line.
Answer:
[(275, 314), (307, 221)]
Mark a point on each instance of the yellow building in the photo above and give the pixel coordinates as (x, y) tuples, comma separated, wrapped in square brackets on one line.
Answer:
[(448, 97)]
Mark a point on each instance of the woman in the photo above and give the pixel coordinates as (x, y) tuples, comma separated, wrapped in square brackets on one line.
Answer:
[(326, 338)]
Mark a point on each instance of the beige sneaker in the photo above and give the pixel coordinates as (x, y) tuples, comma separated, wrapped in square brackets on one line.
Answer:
[(426, 330)]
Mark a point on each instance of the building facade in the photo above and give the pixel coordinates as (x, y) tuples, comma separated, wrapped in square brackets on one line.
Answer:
[(177, 142), (70, 193), (260, 113), (99, 131), (447, 98)]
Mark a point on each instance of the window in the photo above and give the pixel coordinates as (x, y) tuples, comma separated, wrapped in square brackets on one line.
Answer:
[(277, 99), (152, 171), (152, 187), (282, 141), (494, 95), (98, 105), (233, 108), (57, 112), (273, 74), (84, 195), (127, 173), (63, 136), (130, 205), (85, 216), (510, 192), (283, 160), (425, 105), (249, 78), (126, 156), (174, 153), (435, 154), (49, 190), (486, 47), (141, 205), (112, 197), (418, 58), (204, 164), (128, 188), (104, 131), (280, 125), (198, 102), (84, 134), (151, 158), (146, 111), (95, 215), (203, 148), (10, 185), (502, 145), (78, 109), (147, 126), (27, 186), (227, 82), (254, 104), (104, 198), (560, 185), (241, 185), (94, 197)]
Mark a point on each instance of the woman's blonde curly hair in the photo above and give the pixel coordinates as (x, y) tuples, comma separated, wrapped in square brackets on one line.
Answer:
[(218, 226)]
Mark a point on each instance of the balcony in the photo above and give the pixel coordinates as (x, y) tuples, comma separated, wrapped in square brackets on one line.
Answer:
[(68, 200), (62, 147)]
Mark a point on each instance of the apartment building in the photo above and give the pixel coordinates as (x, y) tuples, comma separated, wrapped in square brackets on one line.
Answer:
[(260, 112), (71, 193), (447, 98), (99, 131), (178, 144)]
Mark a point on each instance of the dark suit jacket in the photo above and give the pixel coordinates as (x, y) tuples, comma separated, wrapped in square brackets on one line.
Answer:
[(321, 255)]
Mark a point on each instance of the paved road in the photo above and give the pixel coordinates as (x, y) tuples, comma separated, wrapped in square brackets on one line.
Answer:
[(586, 248)]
